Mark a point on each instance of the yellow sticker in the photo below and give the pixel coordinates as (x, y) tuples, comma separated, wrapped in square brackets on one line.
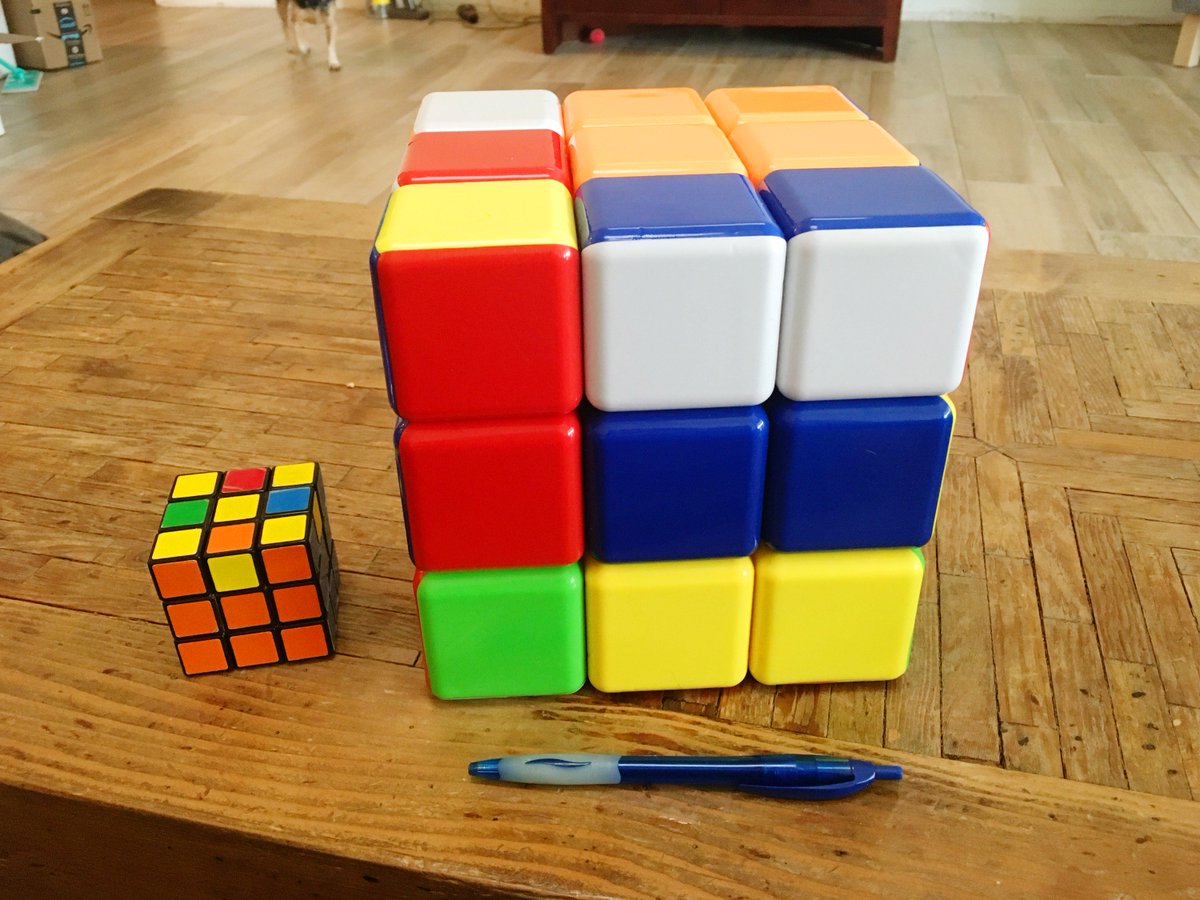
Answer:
[(233, 573), (296, 473), (232, 509), (199, 485), (173, 544), (284, 529)]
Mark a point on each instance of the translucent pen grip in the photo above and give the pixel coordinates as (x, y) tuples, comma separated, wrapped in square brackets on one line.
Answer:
[(561, 768)]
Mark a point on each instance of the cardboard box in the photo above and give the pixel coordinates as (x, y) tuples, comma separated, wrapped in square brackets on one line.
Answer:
[(67, 30)]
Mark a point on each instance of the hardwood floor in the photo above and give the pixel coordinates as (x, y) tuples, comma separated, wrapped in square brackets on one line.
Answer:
[(1071, 138)]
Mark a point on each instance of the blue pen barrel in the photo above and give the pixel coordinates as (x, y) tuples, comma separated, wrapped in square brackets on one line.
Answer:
[(767, 770)]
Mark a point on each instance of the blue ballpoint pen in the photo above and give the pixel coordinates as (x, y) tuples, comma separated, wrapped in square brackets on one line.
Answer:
[(796, 776)]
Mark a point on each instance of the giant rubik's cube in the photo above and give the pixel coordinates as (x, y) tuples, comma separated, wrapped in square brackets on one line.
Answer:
[(774, 297), (246, 568)]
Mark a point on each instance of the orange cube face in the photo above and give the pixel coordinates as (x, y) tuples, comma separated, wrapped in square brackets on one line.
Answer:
[(179, 579), (192, 618), (649, 106), (767, 146), (284, 564), (651, 150), (245, 610), (304, 642), (256, 648), (200, 657), (226, 538), (295, 603), (732, 107)]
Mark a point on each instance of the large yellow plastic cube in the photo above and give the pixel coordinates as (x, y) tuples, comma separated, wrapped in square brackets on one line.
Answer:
[(668, 625), (838, 615)]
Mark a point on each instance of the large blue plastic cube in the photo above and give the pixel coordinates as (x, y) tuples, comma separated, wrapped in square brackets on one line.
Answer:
[(850, 474), (677, 484)]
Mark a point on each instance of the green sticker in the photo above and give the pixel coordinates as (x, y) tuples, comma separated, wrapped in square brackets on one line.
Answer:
[(184, 512)]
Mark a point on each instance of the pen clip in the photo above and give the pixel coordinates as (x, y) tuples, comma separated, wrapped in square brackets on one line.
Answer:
[(862, 774)]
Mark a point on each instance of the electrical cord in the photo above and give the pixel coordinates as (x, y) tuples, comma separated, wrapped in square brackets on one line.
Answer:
[(469, 17)]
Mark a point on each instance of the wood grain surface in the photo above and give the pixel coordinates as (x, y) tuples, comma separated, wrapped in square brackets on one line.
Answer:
[(1057, 634)]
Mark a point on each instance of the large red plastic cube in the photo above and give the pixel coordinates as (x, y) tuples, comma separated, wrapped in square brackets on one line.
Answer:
[(492, 494), (478, 299), (434, 156)]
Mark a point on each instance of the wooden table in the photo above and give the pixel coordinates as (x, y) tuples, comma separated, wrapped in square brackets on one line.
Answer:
[(184, 330)]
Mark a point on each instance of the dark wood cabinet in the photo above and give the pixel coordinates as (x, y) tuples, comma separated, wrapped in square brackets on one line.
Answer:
[(876, 21)]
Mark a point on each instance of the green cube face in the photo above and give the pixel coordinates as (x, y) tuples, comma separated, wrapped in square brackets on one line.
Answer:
[(184, 512), (503, 632)]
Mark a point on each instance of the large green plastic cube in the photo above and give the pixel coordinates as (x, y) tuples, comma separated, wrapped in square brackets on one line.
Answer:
[(503, 632)]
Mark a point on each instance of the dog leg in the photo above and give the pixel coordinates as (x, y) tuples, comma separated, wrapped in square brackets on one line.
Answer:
[(298, 18), (329, 14), (283, 7)]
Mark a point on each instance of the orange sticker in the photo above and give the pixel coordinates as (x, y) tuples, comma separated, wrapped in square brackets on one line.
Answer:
[(299, 602), (284, 564), (192, 618), (198, 657), (179, 579), (306, 642), (254, 649), (245, 610)]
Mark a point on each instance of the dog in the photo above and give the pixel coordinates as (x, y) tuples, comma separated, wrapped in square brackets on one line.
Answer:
[(292, 12)]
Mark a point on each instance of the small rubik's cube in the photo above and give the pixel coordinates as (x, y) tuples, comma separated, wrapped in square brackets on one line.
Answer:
[(246, 568)]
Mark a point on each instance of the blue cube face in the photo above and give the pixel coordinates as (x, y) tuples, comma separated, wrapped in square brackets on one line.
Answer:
[(654, 207), (887, 197), (680, 484), (848, 474)]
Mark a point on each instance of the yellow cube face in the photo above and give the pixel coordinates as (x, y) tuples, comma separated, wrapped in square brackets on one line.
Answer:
[(478, 214), (284, 530), (235, 572), (236, 508), (293, 474), (840, 615), (199, 485), (668, 625)]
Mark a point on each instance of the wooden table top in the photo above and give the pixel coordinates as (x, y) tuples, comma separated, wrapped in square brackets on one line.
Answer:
[(1049, 725)]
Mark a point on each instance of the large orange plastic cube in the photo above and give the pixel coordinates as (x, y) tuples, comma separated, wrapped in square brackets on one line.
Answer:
[(648, 106), (767, 146), (732, 107), (651, 150)]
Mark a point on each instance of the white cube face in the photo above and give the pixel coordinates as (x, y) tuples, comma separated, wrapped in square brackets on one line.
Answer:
[(879, 312), (681, 323), (488, 111)]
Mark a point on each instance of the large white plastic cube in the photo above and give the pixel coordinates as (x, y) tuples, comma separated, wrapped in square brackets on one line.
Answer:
[(682, 290), (883, 273), (489, 111)]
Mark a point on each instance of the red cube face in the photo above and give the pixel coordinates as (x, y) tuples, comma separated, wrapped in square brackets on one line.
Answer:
[(484, 156), (492, 494), (481, 332)]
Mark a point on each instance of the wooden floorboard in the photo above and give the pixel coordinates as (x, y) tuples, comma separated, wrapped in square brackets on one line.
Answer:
[(1069, 138)]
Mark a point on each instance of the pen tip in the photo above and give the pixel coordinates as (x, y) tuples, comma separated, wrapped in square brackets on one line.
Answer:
[(485, 768), (888, 773)]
